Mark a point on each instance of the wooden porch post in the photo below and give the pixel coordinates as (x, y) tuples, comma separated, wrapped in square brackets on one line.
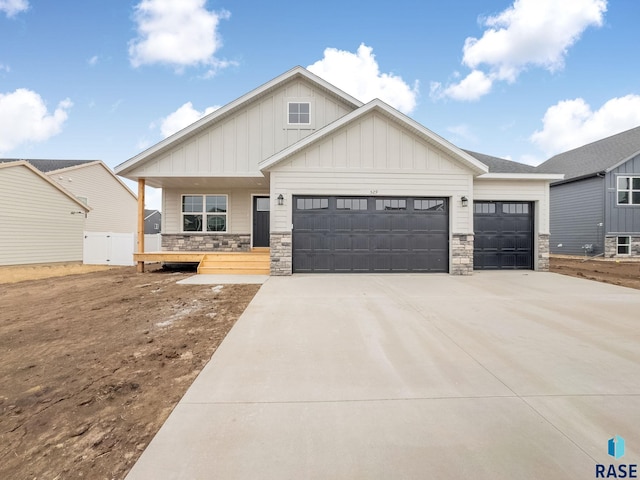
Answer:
[(141, 185)]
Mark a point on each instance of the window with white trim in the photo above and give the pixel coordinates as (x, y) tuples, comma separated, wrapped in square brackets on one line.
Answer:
[(299, 113), (628, 190), (204, 213), (623, 245)]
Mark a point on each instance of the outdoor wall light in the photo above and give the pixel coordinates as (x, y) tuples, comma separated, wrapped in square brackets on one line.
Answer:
[(280, 200), (464, 200)]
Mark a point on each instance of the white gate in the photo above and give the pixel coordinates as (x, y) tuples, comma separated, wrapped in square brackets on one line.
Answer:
[(108, 248)]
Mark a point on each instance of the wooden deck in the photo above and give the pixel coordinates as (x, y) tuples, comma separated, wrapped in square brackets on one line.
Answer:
[(255, 262)]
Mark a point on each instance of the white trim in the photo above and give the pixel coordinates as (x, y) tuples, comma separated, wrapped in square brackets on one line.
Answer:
[(521, 176), (630, 190), (628, 244), (300, 126), (203, 213)]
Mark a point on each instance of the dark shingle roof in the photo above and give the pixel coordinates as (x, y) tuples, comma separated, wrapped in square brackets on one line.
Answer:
[(595, 157), (502, 165), (46, 166)]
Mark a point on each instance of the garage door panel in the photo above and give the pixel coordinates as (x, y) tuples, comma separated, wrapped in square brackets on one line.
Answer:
[(353, 234), (503, 235)]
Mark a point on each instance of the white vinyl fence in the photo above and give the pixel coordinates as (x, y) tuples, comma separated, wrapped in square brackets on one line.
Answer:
[(108, 248)]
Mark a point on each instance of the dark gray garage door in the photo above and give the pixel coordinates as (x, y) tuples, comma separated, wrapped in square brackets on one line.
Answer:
[(370, 234), (503, 235)]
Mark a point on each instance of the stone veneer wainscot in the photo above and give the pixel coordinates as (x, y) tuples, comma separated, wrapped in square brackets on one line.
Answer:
[(281, 253), (461, 254), (214, 242)]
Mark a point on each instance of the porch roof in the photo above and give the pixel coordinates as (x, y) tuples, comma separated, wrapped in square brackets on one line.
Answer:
[(258, 181)]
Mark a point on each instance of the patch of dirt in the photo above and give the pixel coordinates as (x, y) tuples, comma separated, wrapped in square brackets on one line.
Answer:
[(626, 274), (93, 364), (20, 273)]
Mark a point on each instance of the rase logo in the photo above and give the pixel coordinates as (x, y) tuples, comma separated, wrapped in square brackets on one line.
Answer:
[(615, 448)]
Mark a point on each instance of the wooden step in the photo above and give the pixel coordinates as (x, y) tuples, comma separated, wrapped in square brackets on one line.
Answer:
[(236, 263)]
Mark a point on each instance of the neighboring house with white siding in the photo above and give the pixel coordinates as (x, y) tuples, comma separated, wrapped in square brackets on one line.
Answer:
[(595, 209), (112, 205), (40, 222), (330, 184)]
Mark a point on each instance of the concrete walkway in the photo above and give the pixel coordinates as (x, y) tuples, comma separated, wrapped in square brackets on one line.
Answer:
[(500, 375)]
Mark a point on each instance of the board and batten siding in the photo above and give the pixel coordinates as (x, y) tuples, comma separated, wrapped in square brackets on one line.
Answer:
[(238, 209), (577, 217), (374, 156), (536, 191), (623, 219), (36, 223), (113, 207), (237, 144)]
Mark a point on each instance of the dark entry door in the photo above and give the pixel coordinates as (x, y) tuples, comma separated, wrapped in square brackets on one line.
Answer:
[(503, 235), (370, 234), (261, 221)]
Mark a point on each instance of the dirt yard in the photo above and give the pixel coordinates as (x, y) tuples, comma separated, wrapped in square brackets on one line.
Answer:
[(626, 274), (92, 365)]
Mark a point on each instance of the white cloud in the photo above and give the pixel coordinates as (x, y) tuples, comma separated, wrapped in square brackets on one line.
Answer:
[(13, 7), (179, 34), (183, 117), (93, 60), (5, 68), (24, 118), (358, 75), (572, 123), (530, 33), (472, 87)]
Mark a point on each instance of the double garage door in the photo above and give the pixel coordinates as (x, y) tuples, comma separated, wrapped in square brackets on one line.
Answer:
[(370, 234)]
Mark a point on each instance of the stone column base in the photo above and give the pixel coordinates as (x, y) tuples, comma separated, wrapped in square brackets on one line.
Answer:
[(543, 253), (461, 254), (281, 253)]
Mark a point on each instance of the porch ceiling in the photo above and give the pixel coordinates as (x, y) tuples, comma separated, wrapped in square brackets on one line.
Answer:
[(208, 182)]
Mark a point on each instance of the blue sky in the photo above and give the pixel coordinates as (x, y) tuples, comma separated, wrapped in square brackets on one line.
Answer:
[(521, 79)]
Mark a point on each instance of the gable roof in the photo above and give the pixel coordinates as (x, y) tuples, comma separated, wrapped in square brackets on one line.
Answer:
[(4, 163), (600, 156), (379, 106), (230, 108), (150, 213), (47, 166)]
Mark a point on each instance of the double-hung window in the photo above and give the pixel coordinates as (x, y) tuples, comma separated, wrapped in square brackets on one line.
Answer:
[(623, 245), (628, 190), (204, 213)]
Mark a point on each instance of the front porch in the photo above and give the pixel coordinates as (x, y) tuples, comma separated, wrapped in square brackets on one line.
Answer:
[(254, 262)]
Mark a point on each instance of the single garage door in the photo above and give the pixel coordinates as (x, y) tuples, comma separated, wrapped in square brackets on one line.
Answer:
[(370, 234), (503, 235)]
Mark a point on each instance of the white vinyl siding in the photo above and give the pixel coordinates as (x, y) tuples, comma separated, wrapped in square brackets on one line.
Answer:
[(235, 145), (238, 209), (113, 207), (37, 223)]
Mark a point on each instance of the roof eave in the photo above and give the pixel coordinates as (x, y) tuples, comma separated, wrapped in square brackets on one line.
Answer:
[(522, 176)]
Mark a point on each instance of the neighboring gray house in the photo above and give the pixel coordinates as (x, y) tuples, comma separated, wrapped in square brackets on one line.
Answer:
[(318, 181), (152, 221), (595, 210), (40, 222)]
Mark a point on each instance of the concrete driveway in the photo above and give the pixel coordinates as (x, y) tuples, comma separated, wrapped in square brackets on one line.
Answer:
[(499, 375)]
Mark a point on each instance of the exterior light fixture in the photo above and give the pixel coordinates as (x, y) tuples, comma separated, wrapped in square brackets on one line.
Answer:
[(280, 200), (464, 200)]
